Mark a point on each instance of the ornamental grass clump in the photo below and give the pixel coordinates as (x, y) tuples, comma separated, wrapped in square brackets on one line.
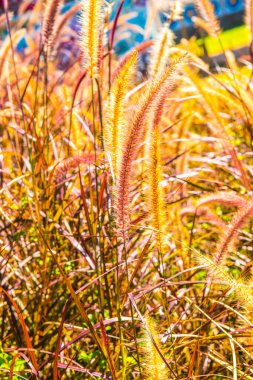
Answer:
[(125, 191)]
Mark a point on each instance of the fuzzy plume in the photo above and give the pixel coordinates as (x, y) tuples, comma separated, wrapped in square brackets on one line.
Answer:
[(231, 231), (139, 48), (116, 124), (202, 24), (243, 291), (239, 287), (91, 21), (50, 15), (249, 14), (206, 9), (155, 367), (226, 198), (218, 272), (69, 163), (156, 90), (155, 193), (160, 52)]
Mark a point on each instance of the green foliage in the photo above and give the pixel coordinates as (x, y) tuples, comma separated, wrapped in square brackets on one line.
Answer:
[(6, 363)]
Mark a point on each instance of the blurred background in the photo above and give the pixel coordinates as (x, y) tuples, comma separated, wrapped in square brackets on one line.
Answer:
[(141, 20)]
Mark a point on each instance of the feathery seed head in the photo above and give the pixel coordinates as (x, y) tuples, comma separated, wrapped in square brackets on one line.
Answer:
[(116, 125), (91, 34), (206, 9), (68, 163), (160, 52), (155, 368), (51, 12), (249, 14), (218, 272), (240, 289), (231, 231), (157, 89), (155, 194)]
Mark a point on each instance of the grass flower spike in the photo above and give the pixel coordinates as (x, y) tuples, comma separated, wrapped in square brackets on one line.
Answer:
[(230, 233), (51, 12), (156, 90), (155, 193), (155, 367), (116, 125), (91, 23), (249, 14), (206, 9), (160, 51)]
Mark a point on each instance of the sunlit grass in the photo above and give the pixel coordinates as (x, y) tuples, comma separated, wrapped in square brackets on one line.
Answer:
[(125, 202)]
